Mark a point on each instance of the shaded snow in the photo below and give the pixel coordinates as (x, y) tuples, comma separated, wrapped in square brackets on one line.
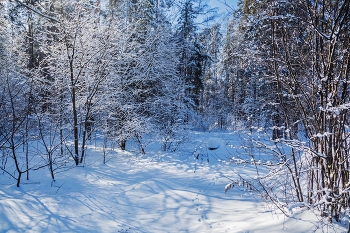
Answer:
[(156, 193), (214, 143)]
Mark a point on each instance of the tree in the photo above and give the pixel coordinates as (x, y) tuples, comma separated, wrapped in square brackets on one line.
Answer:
[(213, 104), (16, 104), (190, 53), (302, 47), (77, 62), (245, 90), (145, 92)]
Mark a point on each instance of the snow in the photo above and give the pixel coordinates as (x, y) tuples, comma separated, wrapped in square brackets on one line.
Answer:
[(214, 143), (157, 192)]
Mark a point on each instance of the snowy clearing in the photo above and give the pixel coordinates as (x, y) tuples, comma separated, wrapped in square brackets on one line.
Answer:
[(158, 192)]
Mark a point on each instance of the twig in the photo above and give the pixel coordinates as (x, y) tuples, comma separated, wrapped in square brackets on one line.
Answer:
[(37, 11)]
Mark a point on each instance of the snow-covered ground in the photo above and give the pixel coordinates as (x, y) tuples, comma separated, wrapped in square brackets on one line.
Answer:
[(182, 191)]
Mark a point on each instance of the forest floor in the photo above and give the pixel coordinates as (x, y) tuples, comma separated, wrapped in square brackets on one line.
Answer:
[(183, 191)]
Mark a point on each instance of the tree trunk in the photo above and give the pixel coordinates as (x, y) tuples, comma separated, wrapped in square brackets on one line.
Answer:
[(123, 144), (74, 108)]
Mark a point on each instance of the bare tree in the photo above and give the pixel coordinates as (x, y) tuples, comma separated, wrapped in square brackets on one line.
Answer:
[(303, 47), (78, 61)]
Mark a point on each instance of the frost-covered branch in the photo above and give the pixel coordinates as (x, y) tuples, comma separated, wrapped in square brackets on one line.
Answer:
[(37, 11)]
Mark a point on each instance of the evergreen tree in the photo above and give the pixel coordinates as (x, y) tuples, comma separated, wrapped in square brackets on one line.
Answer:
[(190, 54)]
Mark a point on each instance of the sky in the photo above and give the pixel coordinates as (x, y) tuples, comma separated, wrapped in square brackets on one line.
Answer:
[(220, 4), (224, 10)]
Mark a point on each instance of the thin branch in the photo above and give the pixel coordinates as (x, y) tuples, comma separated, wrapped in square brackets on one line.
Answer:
[(226, 4), (37, 11)]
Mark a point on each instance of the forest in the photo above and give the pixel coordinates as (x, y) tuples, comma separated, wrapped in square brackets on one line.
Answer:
[(122, 71)]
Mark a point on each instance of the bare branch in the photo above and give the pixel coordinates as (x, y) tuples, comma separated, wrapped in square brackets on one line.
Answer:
[(226, 4), (37, 11)]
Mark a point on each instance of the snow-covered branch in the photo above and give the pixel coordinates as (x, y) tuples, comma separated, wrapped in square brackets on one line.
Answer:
[(37, 11)]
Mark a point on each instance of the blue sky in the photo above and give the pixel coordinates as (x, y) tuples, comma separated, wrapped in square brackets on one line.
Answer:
[(224, 10), (221, 6)]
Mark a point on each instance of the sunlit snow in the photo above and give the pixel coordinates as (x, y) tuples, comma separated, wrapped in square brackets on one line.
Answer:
[(158, 192)]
